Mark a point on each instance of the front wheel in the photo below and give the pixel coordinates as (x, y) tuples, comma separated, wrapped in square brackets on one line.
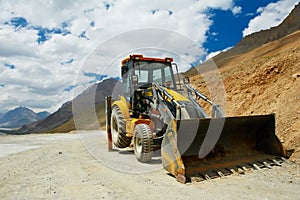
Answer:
[(143, 143)]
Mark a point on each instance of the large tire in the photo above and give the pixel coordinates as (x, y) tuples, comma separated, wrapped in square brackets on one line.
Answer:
[(143, 143), (118, 129)]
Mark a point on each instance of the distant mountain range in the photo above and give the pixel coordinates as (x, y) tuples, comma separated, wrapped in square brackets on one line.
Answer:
[(1, 115), (83, 106), (19, 116)]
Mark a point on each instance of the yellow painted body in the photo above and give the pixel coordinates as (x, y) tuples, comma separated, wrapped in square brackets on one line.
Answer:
[(130, 122), (123, 105), (176, 95)]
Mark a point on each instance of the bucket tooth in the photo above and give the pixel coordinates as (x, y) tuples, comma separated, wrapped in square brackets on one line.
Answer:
[(284, 160), (233, 171), (206, 177), (197, 179), (276, 162), (267, 165), (240, 171), (220, 174), (245, 168), (256, 167)]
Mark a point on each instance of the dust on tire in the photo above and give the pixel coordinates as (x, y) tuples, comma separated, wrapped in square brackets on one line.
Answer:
[(118, 129), (143, 143)]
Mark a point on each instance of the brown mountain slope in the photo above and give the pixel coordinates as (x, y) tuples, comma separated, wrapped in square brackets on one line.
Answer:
[(90, 100), (266, 80)]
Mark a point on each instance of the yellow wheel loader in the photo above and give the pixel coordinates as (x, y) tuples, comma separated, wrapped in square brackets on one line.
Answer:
[(159, 111)]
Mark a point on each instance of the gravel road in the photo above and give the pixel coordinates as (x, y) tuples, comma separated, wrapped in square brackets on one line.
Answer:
[(78, 166)]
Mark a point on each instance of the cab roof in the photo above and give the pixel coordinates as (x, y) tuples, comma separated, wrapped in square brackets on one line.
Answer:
[(141, 57)]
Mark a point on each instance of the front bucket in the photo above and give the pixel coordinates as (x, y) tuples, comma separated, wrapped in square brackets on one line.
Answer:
[(212, 147)]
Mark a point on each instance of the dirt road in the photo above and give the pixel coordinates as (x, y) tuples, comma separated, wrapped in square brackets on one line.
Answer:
[(77, 166)]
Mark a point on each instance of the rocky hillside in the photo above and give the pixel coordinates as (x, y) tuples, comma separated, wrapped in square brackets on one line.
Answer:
[(19, 116), (62, 120)]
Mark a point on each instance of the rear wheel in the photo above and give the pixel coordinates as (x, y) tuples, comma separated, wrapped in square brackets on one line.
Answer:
[(143, 143), (118, 129)]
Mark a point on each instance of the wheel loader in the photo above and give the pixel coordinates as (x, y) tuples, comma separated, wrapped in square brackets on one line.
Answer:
[(158, 111)]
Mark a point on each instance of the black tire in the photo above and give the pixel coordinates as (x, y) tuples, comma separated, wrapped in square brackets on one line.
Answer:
[(118, 129), (143, 143)]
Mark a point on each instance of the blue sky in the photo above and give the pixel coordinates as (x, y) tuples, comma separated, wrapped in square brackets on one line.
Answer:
[(44, 46), (228, 27)]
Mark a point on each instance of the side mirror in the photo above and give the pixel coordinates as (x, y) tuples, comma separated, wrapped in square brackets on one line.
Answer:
[(135, 79), (124, 71)]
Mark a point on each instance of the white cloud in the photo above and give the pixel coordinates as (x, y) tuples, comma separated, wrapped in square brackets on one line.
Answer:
[(39, 79), (17, 43), (213, 54), (271, 15), (236, 10)]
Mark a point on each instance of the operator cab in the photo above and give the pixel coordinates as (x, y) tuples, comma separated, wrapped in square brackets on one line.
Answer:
[(143, 71), (138, 74)]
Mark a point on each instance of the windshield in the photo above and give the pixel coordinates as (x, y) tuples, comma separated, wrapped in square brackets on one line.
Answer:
[(154, 72)]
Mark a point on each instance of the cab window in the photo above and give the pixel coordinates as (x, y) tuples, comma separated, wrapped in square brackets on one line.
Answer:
[(157, 76), (142, 75)]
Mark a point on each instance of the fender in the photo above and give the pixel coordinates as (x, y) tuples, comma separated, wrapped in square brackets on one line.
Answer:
[(122, 104)]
